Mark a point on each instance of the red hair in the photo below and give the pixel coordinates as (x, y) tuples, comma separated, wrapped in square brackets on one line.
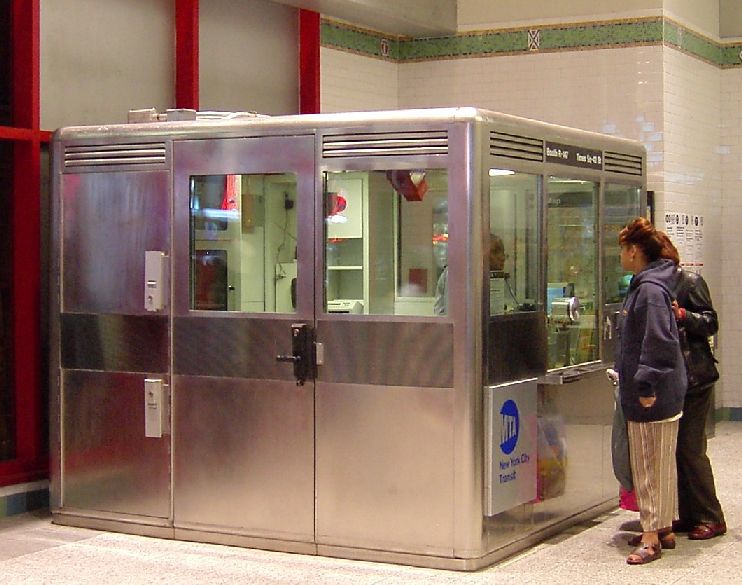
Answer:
[(669, 250), (640, 232)]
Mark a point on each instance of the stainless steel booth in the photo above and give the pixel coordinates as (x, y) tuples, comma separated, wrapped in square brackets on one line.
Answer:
[(376, 336)]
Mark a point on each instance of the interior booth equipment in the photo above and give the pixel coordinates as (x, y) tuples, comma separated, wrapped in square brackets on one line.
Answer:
[(375, 336)]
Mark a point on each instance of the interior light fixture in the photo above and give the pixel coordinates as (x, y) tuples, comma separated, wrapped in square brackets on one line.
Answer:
[(500, 172)]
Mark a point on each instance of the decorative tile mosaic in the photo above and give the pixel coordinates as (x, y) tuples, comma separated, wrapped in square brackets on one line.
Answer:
[(356, 40), (692, 43), (567, 37)]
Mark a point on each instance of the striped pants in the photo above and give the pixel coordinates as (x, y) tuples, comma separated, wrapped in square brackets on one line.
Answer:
[(652, 450)]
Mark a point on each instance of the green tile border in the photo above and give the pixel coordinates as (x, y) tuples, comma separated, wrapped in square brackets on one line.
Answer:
[(356, 40), (514, 41)]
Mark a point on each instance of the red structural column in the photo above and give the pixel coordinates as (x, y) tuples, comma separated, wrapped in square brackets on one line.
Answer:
[(309, 62), (186, 54), (30, 462)]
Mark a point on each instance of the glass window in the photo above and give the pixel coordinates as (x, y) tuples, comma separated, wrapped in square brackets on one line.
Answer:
[(571, 272), (386, 236), (7, 402), (243, 243), (515, 257), (622, 204), (516, 322)]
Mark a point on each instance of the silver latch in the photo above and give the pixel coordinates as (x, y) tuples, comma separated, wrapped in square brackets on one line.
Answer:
[(155, 408)]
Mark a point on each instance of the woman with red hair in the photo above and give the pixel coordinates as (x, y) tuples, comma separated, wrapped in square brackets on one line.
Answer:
[(652, 383)]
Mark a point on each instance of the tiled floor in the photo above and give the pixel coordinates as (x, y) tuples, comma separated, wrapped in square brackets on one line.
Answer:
[(32, 550)]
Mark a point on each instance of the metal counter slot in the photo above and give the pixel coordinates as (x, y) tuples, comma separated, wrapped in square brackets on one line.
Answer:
[(572, 374)]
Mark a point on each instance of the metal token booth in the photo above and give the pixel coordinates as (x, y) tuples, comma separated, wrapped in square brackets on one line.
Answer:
[(375, 335)]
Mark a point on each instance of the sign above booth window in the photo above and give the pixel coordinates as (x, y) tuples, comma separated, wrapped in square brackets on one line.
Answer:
[(573, 156)]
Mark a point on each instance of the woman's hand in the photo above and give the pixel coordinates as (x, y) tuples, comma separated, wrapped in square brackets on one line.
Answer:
[(678, 311), (647, 401)]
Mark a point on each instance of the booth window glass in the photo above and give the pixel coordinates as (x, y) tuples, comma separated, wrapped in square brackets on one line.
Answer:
[(243, 243), (386, 241), (7, 402), (513, 267), (622, 204), (572, 270), (515, 253)]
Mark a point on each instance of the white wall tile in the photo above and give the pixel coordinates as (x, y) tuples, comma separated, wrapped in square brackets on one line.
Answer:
[(687, 113), (352, 82)]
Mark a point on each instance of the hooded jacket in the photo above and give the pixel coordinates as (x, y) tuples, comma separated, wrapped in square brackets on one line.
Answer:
[(650, 361)]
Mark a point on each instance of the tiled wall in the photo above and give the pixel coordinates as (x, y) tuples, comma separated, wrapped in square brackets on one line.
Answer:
[(692, 162), (352, 82), (653, 80), (731, 229)]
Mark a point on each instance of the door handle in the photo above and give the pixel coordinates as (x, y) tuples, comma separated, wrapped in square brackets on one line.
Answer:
[(302, 343)]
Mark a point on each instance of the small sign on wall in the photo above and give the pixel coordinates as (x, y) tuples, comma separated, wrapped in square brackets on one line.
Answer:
[(511, 457), (687, 233)]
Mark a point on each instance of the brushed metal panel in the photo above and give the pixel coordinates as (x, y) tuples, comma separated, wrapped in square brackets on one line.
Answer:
[(385, 468), (243, 456), (109, 219), (231, 539), (107, 463), (237, 347), (387, 353), (121, 343)]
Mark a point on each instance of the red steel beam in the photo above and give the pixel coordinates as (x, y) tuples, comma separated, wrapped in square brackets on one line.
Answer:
[(31, 461), (186, 54), (309, 62)]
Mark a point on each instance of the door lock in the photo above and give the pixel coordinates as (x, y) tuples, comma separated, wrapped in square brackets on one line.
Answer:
[(302, 356)]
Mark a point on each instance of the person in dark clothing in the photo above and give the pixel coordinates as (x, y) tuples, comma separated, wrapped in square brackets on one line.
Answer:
[(699, 511), (652, 383)]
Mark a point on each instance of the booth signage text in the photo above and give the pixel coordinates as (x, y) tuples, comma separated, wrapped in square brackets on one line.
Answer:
[(574, 156)]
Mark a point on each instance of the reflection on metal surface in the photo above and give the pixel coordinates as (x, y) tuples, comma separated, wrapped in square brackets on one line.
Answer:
[(243, 348), (385, 467), (114, 343), (387, 354), (108, 222), (108, 463), (243, 456)]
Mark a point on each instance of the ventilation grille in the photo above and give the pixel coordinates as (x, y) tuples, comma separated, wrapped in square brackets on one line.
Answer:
[(626, 164), (106, 155), (421, 142), (515, 146)]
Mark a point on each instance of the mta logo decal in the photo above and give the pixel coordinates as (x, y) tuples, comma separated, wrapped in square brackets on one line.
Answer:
[(510, 427)]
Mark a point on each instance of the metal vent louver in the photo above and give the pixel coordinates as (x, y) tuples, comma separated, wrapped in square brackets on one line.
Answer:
[(106, 155), (516, 146), (417, 142), (626, 164)]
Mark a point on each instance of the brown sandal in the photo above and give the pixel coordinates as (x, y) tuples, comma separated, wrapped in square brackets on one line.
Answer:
[(667, 540), (645, 553)]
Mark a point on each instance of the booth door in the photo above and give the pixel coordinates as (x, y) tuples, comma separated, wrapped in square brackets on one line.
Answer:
[(385, 375), (243, 262), (115, 455)]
